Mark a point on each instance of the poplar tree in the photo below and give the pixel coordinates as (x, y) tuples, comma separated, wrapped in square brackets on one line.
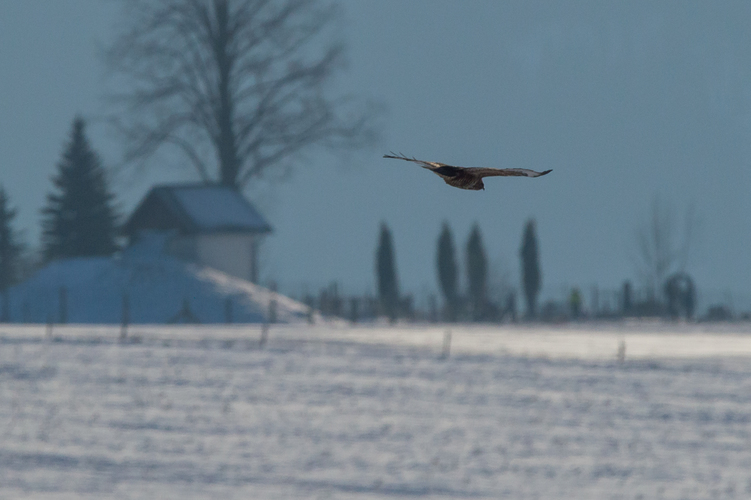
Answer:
[(79, 218), (448, 275), (531, 277), (388, 287), (477, 274)]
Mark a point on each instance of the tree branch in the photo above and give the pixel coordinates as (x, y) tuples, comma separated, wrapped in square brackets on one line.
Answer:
[(246, 77)]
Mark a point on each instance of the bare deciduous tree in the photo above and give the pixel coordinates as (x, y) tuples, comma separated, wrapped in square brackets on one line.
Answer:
[(660, 252), (244, 81)]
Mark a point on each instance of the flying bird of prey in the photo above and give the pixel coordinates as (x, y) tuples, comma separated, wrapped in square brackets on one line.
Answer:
[(467, 177)]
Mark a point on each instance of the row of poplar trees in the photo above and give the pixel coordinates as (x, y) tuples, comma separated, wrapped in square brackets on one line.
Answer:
[(475, 305), (78, 220)]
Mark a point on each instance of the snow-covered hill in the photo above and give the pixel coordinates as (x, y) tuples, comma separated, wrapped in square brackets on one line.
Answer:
[(149, 287)]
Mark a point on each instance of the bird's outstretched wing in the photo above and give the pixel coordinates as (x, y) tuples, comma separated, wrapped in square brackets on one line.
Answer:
[(430, 165), (505, 172), (479, 172)]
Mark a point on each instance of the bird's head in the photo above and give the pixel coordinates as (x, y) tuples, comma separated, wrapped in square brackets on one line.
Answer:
[(479, 185)]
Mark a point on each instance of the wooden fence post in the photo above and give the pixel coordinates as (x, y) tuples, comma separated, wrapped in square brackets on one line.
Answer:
[(621, 355), (49, 326), (5, 316), (354, 309), (272, 303), (264, 335), (228, 310), (125, 317), (446, 344), (63, 304)]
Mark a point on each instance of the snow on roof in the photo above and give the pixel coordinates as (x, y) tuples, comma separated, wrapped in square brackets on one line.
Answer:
[(197, 208), (217, 207)]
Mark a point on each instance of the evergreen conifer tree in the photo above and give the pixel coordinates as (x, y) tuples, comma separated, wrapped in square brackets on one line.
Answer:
[(10, 247), (10, 250), (477, 274), (531, 276), (388, 288), (447, 272), (79, 218)]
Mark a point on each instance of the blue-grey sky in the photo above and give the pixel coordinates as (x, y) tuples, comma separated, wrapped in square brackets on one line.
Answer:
[(625, 101)]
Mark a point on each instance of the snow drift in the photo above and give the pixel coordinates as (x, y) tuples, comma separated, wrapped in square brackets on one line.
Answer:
[(146, 286)]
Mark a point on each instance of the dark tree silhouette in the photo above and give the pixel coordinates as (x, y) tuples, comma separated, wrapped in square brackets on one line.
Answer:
[(477, 274), (238, 83), (531, 277), (388, 287), (79, 218), (448, 274), (10, 246), (680, 295), (10, 251)]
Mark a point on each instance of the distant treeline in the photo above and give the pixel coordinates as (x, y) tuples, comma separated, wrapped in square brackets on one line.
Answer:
[(473, 303), (675, 299)]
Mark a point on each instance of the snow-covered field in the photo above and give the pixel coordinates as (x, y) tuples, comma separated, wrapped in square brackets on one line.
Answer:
[(376, 412)]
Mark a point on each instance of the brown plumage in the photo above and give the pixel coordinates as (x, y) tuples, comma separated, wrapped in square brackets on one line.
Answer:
[(467, 177)]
